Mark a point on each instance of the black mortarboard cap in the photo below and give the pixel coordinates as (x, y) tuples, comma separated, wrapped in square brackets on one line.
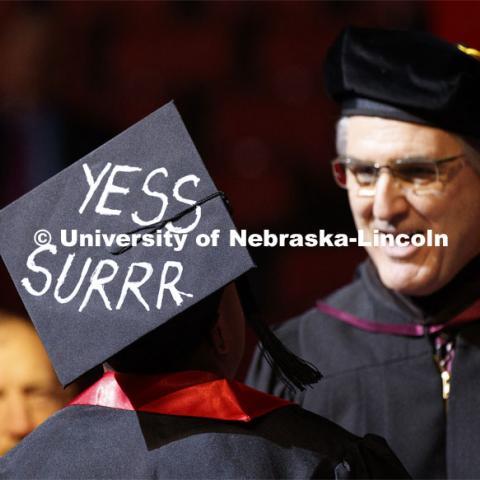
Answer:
[(406, 75), (88, 303)]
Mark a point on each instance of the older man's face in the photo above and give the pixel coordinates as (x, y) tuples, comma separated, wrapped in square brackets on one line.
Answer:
[(454, 209), (29, 390)]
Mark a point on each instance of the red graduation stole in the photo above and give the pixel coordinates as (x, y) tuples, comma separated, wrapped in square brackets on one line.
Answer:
[(186, 394)]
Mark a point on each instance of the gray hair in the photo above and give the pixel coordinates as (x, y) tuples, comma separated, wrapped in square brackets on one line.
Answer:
[(341, 136), (471, 147)]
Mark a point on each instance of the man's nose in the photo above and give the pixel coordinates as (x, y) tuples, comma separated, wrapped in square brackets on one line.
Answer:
[(389, 201), (19, 421)]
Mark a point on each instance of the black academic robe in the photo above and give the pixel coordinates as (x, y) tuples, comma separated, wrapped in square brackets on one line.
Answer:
[(390, 384), (255, 436)]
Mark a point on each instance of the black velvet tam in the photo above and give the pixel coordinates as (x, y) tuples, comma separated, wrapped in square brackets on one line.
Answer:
[(406, 75), (89, 298)]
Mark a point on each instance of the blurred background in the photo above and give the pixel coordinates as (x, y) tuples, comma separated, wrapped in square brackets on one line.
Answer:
[(247, 79)]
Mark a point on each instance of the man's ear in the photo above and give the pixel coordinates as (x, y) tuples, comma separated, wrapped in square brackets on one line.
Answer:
[(217, 337)]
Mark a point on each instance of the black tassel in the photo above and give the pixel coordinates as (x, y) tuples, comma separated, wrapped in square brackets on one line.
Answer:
[(294, 372)]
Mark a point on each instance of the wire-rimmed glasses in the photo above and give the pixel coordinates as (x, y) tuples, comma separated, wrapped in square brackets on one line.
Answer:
[(418, 174)]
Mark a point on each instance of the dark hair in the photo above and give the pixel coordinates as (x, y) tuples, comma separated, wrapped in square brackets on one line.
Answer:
[(170, 347)]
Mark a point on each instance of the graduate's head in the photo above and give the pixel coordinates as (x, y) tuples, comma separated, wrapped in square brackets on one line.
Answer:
[(407, 150), (123, 282), (208, 336), (29, 389)]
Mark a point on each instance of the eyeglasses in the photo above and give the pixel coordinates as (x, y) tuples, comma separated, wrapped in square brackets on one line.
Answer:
[(416, 174)]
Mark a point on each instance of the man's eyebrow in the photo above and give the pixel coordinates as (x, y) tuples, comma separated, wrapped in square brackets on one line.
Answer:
[(406, 159), (415, 158), (33, 388), (356, 159)]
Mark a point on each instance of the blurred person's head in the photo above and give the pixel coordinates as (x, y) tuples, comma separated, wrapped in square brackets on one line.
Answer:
[(29, 389)]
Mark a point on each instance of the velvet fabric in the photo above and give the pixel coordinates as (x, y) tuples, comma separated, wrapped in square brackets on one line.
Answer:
[(405, 75)]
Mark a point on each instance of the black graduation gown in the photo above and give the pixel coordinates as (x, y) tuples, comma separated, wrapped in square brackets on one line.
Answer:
[(388, 384), (91, 441)]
